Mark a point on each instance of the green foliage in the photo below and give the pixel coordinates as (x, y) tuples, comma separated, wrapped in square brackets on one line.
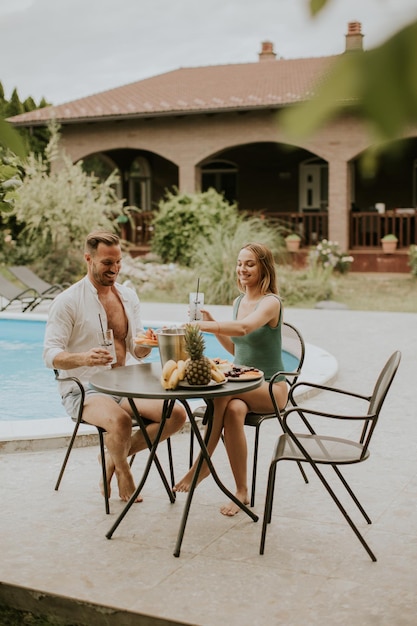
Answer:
[(379, 84), (304, 287), (182, 217), (215, 258), (11, 172), (58, 208), (11, 140), (412, 255), (22, 140), (328, 256)]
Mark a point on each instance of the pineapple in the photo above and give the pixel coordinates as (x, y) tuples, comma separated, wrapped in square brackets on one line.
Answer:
[(198, 366)]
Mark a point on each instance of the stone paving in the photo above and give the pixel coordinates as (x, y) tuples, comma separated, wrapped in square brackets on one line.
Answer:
[(314, 570)]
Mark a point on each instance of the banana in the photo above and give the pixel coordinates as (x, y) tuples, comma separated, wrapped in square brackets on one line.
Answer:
[(181, 369), (217, 375), (173, 380), (168, 368)]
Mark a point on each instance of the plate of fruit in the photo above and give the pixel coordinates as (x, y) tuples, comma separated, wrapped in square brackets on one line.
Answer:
[(148, 339), (242, 373)]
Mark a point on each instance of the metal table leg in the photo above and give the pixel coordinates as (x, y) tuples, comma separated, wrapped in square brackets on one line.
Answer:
[(204, 455), (166, 412)]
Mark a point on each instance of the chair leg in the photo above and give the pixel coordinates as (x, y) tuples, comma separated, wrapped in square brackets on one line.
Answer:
[(191, 458), (254, 466), (352, 495), (104, 470), (171, 463), (343, 511), (68, 452), (268, 504)]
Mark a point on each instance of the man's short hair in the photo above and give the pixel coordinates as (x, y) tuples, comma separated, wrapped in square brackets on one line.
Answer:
[(100, 236)]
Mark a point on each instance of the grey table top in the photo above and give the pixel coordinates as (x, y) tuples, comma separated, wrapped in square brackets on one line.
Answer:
[(143, 380)]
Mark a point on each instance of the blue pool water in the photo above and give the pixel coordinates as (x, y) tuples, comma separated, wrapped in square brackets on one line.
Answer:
[(28, 389)]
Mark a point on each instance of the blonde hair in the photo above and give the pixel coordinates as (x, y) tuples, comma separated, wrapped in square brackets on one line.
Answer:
[(268, 280)]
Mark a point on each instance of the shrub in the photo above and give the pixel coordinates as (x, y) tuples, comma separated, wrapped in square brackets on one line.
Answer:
[(303, 287), (328, 256), (182, 218), (57, 209), (412, 255), (215, 257)]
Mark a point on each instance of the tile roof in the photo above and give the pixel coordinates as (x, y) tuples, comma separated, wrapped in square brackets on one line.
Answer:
[(263, 84)]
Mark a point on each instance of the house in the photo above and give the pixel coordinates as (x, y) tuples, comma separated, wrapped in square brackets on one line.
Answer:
[(219, 126)]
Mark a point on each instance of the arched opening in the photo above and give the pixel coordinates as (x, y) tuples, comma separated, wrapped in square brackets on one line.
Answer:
[(220, 175)]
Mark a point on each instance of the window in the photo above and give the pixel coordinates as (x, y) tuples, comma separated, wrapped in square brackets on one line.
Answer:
[(139, 184), (221, 176), (314, 185)]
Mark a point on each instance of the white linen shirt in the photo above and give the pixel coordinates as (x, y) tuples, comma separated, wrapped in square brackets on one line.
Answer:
[(74, 321)]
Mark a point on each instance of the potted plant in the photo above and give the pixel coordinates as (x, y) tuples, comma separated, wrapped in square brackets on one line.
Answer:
[(293, 242), (389, 243)]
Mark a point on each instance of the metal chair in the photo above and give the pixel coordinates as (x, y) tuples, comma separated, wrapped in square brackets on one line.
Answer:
[(78, 419), (293, 344), (321, 448)]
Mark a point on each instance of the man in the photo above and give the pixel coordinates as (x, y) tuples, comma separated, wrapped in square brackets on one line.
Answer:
[(75, 317)]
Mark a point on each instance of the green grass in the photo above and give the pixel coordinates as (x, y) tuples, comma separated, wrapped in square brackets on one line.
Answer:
[(358, 291), (376, 292)]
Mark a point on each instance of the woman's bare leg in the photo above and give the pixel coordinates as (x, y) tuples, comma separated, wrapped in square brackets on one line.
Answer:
[(237, 451), (219, 407)]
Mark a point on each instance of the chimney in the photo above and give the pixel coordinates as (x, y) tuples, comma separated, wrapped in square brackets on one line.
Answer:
[(267, 53), (354, 37)]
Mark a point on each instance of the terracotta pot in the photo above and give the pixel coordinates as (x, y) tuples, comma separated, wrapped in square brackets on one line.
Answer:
[(389, 246), (293, 245)]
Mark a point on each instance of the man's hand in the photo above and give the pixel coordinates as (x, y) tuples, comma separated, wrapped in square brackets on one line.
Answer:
[(97, 356)]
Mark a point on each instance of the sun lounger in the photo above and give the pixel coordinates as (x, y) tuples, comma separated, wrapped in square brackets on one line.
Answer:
[(28, 298), (30, 279)]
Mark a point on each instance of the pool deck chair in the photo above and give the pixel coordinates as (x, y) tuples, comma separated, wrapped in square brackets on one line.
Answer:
[(27, 298), (45, 290), (312, 437)]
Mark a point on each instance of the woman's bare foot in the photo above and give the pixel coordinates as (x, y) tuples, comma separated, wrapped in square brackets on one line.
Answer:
[(231, 508), (183, 486), (109, 474), (126, 485)]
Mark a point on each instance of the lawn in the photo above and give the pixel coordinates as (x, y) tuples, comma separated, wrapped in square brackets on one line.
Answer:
[(376, 292)]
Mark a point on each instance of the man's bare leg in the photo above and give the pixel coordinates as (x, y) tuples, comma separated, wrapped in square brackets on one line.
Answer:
[(104, 412)]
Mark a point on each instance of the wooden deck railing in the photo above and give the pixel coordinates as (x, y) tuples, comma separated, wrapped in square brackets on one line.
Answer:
[(367, 229), (312, 227)]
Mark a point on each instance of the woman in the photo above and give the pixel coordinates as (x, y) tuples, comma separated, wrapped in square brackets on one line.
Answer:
[(254, 338)]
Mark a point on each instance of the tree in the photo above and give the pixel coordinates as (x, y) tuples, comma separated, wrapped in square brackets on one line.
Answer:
[(57, 209)]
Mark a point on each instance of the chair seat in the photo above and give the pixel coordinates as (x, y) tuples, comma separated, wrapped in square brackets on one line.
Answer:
[(322, 449), (254, 419)]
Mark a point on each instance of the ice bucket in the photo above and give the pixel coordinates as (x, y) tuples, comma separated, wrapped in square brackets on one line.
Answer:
[(171, 343)]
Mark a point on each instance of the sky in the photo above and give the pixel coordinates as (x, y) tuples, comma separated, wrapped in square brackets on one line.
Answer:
[(67, 49)]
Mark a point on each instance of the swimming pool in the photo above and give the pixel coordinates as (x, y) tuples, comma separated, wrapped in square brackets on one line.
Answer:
[(28, 388)]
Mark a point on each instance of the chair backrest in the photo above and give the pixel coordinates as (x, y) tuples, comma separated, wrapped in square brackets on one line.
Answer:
[(8, 289), (379, 394), (293, 343), (384, 382), (29, 278)]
